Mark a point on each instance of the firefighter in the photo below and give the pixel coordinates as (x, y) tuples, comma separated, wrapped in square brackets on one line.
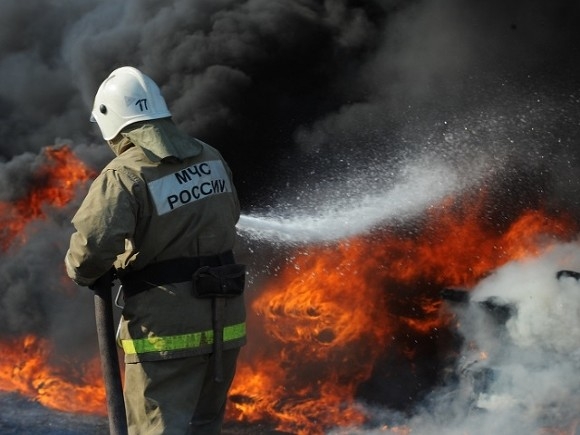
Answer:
[(162, 216)]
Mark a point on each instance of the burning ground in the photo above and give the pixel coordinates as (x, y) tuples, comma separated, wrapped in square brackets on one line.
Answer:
[(408, 173)]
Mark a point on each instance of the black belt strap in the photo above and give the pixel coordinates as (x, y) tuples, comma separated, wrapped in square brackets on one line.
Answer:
[(170, 271)]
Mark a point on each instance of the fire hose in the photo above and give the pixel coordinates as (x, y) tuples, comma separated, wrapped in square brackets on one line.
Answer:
[(109, 357)]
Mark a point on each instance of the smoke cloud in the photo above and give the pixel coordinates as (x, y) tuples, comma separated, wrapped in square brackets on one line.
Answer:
[(312, 102), (271, 81), (516, 370)]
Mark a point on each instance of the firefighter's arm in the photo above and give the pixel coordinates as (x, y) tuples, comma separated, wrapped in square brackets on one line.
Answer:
[(105, 219)]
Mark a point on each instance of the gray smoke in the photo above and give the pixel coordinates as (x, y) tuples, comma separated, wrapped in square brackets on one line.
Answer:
[(301, 96), (516, 369)]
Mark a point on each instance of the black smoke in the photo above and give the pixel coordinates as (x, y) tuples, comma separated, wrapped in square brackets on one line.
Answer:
[(276, 84), (298, 95)]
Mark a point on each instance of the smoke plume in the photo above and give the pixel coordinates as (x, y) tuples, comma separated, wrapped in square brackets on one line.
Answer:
[(320, 107)]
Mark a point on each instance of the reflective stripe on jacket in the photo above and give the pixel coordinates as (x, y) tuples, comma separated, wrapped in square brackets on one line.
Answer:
[(194, 340), (168, 321)]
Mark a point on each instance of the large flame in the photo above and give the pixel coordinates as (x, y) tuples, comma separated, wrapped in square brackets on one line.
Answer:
[(322, 326), (324, 323)]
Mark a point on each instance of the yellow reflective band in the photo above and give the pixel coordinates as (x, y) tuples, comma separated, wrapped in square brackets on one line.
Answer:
[(180, 342)]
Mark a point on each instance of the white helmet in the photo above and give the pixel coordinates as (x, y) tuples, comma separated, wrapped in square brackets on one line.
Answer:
[(125, 97)]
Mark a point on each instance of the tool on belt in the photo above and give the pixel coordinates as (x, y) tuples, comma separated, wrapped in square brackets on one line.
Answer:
[(109, 357), (218, 284)]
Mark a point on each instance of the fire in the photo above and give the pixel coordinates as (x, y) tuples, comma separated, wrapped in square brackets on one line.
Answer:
[(55, 185), (25, 369), (27, 365), (324, 324)]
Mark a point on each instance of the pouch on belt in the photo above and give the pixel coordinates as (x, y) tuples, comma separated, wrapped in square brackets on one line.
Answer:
[(219, 283), (224, 281)]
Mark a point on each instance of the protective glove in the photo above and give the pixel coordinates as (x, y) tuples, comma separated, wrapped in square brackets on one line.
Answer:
[(105, 281)]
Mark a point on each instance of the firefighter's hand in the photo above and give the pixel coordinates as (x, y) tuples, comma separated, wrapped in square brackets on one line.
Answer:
[(105, 281)]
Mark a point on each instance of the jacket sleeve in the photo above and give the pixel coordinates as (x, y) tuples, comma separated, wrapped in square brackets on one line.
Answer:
[(104, 221)]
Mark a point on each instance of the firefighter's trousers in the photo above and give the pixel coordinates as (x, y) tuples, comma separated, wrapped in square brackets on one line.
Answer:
[(177, 396)]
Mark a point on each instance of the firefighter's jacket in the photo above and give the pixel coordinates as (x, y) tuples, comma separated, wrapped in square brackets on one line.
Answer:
[(164, 196)]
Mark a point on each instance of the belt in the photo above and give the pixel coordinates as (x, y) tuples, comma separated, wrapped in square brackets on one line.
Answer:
[(170, 271)]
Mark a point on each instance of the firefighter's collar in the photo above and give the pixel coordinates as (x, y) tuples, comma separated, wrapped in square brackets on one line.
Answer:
[(161, 139)]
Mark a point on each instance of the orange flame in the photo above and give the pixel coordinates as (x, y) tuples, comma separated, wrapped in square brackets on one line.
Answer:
[(56, 185), (322, 325), (318, 329), (24, 368), (25, 364)]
